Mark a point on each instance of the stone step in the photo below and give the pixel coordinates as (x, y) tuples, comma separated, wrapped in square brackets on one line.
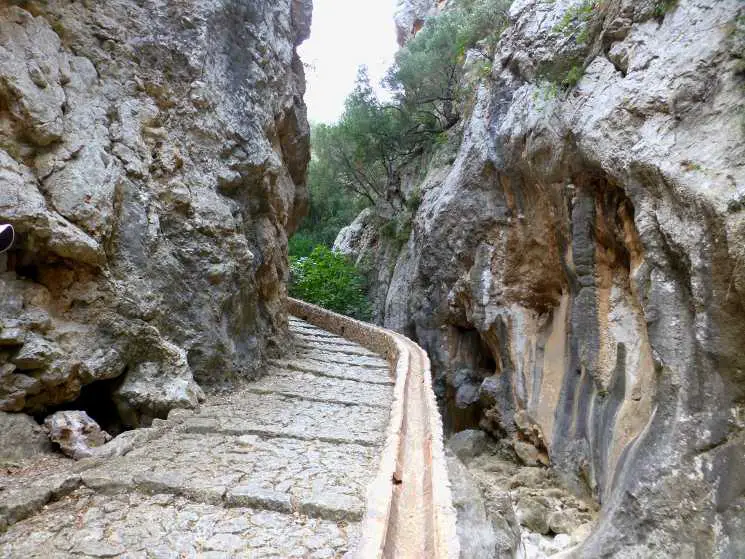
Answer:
[(314, 478), (347, 372), (136, 525), (347, 349), (325, 339), (341, 358), (275, 415), (323, 389)]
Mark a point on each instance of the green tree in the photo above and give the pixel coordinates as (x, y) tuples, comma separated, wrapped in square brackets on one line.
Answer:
[(328, 279), (358, 161), (428, 70), (367, 148)]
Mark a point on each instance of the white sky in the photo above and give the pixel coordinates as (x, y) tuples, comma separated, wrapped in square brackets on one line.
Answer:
[(345, 34)]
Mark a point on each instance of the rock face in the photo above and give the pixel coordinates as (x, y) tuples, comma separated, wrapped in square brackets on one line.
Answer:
[(21, 437), (576, 270), (410, 17), (152, 161)]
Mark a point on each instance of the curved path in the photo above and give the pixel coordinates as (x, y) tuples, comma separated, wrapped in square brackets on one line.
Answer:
[(324, 456)]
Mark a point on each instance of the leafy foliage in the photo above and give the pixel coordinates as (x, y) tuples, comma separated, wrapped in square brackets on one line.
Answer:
[(329, 280), (332, 206), (576, 15), (428, 70), (573, 76), (366, 149), (664, 6)]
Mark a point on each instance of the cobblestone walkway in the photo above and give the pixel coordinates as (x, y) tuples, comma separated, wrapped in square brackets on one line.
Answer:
[(277, 469)]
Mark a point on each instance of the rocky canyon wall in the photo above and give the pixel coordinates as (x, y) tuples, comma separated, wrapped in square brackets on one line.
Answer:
[(152, 161), (575, 268)]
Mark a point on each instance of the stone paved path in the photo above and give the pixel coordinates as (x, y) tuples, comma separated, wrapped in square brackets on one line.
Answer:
[(278, 468)]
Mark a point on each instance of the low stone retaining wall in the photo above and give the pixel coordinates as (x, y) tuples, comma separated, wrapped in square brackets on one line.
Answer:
[(410, 512)]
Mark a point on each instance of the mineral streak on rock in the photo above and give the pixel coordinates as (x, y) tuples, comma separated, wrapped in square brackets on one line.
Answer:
[(575, 271), (152, 161)]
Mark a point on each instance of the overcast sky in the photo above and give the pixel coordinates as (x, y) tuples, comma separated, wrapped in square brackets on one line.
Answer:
[(345, 34)]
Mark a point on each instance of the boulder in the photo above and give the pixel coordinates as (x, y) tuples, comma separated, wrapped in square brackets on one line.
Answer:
[(21, 437), (468, 444), (533, 514), (75, 433), (482, 534)]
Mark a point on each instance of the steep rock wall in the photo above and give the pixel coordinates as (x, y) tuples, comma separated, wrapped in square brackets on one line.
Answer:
[(575, 271), (152, 160)]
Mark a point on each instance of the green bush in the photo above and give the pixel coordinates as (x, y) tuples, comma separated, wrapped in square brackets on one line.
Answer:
[(575, 17), (573, 76), (301, 245), (328, 279), (664, 6)]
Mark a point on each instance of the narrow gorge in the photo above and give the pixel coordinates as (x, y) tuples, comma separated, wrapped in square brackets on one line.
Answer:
[(549, 200), (573, 262)]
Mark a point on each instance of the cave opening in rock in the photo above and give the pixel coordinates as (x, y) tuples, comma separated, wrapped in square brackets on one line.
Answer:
[(96, 399)]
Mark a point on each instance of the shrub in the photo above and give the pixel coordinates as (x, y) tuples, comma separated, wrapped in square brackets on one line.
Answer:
[(664, 6), (301, 245), (328, 279), (576, 16), (573, 76)]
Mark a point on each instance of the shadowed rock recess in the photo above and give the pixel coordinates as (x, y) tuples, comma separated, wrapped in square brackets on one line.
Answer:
[(152, 161), (576, 266)]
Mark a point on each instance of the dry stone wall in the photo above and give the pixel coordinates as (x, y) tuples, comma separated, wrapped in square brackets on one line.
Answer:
[(575, 267), (152, 161)]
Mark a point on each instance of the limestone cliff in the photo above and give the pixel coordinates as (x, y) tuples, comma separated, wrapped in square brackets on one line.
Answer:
[(575, 268), (152, 160)]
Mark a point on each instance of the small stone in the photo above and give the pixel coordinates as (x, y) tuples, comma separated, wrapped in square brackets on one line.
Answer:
[(12, 336), (561, 522), (75, 432), (527, 453), (533, 515), (468, 444)]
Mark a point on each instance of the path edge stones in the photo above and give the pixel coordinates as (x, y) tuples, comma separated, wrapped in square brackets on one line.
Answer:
[(414, 438)]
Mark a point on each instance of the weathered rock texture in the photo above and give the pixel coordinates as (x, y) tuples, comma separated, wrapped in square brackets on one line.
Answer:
[(575, 269), (152, 160), (75, 433), (21, 437), (277, 468)]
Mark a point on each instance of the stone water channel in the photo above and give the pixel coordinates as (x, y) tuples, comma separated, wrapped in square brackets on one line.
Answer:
[(276, 468)]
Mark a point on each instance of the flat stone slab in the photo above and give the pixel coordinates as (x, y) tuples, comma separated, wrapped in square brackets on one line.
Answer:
[(380, 375), (276, 415), (205, 467), (311, 386), (85, 524), (314, 332)]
